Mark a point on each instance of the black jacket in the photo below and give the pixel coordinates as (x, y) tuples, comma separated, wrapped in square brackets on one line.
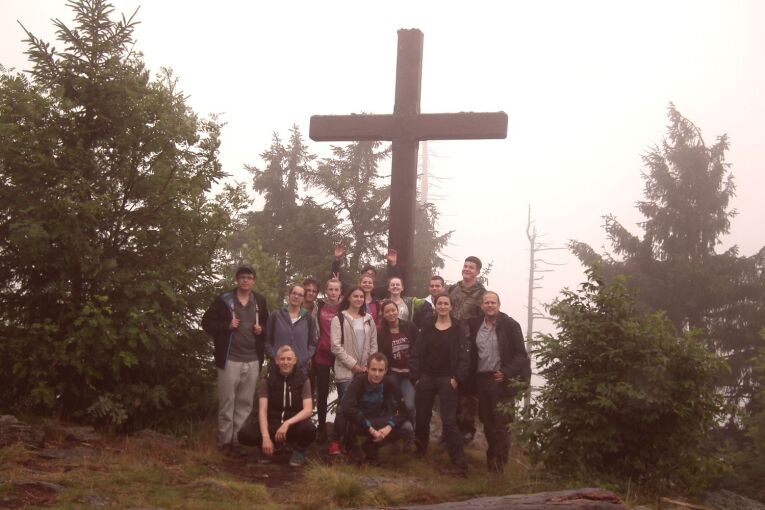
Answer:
[(459, 350), (423, 314), (391, 410), (285, 394), (216, 320), (514, 360)]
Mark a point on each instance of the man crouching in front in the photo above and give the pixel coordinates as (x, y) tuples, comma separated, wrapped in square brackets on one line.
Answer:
[(374, 409), (284, 410)]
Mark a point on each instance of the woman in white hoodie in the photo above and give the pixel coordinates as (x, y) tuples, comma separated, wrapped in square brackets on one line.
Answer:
[(354, 339)]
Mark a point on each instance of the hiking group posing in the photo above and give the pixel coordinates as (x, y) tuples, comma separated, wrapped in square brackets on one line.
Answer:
[(390, 354)]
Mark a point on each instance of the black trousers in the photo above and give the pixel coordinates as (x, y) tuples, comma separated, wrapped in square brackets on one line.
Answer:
[(467, 408), (321, 377), (300, 435), (424, 396), (354, 430), (496, 421), (340, 426)]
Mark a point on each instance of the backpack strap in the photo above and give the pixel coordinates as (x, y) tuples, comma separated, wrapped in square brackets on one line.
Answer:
[(341, 318)]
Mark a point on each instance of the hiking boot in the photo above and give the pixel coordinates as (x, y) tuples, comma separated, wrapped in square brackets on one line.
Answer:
[(355, 456), (297, 458), (334, 448), (232, 450), (495, 466), (370, 453)]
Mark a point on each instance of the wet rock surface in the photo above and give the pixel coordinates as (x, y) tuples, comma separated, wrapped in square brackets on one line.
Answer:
[(580, 499), (12, 431)]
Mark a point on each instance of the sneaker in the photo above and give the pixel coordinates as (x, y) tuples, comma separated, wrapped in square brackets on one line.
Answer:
[(334, 448), (297, 458)]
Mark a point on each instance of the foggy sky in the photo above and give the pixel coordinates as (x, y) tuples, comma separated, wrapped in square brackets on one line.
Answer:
[(585, 86)]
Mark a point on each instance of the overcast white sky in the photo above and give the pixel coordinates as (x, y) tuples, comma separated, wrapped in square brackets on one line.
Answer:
[(585, 84)]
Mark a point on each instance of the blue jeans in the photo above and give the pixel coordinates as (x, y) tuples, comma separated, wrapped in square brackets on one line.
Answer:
[(406, 388)]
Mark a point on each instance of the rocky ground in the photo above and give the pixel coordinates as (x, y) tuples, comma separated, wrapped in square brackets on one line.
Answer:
[(64, 466)]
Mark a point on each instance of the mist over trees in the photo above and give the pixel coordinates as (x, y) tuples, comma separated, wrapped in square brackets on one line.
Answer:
[(675, 269), (108, 233), (112, 242)]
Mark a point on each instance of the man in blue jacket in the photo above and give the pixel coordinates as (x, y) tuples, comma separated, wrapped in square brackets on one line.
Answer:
[(236, 320), (374, 409)]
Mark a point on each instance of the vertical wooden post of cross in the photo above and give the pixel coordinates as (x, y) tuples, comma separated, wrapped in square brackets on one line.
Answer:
[(405, 128), (403, 181)]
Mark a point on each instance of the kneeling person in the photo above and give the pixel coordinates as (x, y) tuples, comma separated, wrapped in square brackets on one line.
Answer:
[(284, 410), (374, 408)]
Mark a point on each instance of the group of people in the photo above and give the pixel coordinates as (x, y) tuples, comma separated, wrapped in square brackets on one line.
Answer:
[(390, 354)]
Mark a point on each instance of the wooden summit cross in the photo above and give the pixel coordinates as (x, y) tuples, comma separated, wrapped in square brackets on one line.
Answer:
[(406, 127)]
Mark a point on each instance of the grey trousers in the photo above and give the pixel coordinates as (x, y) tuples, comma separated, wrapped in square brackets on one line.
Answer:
[(236, 390)]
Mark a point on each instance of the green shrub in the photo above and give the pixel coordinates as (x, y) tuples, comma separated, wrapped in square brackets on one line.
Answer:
[(626, 397)]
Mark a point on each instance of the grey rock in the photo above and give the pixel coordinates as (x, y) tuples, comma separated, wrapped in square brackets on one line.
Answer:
[(13, 431), (70, 454), (579, 499), (98, 501), (373, 482), (37, 484), (159, 439), (210, 484), (728, 500), (81, 434)]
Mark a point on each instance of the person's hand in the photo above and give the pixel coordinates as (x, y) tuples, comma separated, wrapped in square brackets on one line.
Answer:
[(499, 376), (268, 446), (234, 323), (383, 433), (281, 432), (357, 369), (453, 381), (339, 250), (257, 329), (392, 256), (377, 435)]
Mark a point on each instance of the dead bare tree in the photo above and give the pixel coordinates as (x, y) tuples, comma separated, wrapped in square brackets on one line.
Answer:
[(536, 268)]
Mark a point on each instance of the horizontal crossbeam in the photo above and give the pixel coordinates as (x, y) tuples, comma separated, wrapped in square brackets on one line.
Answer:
[(423, 126)]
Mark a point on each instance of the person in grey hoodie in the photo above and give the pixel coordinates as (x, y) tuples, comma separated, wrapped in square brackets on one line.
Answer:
[(354, 339), (293, 326)]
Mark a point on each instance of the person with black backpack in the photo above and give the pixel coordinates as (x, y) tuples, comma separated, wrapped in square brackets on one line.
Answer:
[(354, 339)]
